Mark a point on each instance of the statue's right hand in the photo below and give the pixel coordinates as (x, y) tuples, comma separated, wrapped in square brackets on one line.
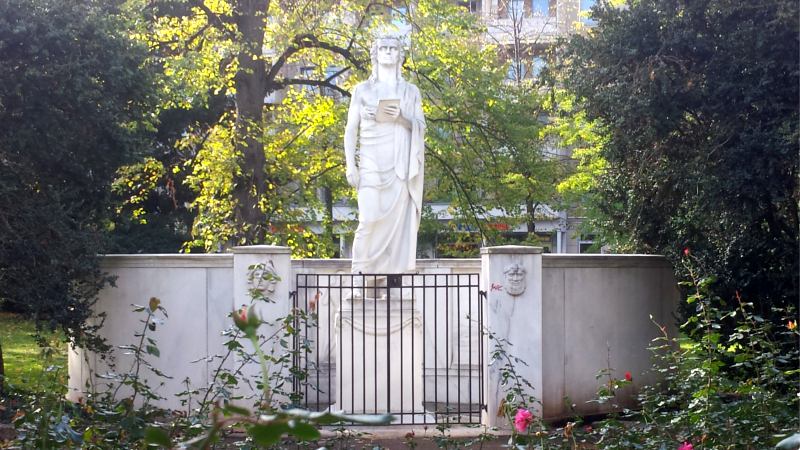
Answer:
[(352, 177), (368, 113)]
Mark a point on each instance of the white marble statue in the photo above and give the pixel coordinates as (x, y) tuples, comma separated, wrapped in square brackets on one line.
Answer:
[(385, 120)]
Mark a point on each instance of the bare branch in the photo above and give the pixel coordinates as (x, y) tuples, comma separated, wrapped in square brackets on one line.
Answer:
[(304, 41), (282, 83), (215, 20)]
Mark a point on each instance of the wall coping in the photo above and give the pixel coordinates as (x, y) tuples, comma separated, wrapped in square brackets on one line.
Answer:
[(263, 249), (511, 250), (466, 263), (165, 260), (225, 260), (567, 261)]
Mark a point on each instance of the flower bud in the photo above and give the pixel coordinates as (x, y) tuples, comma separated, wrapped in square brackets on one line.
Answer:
[(246, 318)]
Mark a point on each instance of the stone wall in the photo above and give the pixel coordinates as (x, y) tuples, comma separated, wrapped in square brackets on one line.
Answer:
[(584, 303), (595, 313)]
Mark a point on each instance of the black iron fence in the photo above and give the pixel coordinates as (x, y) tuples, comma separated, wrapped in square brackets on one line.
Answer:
[(410, 345)]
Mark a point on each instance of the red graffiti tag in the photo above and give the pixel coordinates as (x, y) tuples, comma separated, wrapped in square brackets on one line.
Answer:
[(496, 287)]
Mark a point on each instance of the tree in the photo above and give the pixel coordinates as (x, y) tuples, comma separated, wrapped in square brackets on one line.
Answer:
[(253, 50), (485, 144), (154, 213), (310, 57), (74, 99), (697, 105)]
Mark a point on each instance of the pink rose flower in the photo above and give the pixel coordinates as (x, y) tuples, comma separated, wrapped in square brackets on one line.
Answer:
[(523, 419), (685, 446)]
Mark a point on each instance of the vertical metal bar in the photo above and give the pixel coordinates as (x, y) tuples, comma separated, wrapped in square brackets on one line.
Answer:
[(413, 310), (375, 340), (458, 340), (310, 311), (339, 323), (305, 333), (329, 326), (388, 349), (447, 337), (471, 321), (424, 315), (481, 350), (436, 343), (295, 362), (402, 355), (352, 355), (364, 346)]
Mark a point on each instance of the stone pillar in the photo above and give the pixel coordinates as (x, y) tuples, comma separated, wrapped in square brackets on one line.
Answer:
[(271, 259), (511, 276)]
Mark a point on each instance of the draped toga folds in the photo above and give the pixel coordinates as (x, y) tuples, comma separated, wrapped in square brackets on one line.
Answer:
[(392, 162)]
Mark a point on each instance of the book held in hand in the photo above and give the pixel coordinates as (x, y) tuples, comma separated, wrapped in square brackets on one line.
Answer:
[(381, 116)]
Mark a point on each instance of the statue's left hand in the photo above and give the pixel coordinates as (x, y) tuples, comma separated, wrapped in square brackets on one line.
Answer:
[(392, 111), (395, 115)]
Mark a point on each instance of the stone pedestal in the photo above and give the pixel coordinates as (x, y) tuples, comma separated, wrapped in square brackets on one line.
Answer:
[(379, 352)]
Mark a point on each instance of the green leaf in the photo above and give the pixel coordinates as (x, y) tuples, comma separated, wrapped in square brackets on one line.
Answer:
[(158, 437), (236, 409), (153, 351), (268, 434), (304, 431)]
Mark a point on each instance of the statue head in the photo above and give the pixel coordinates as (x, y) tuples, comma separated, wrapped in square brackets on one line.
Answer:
[(385, 41), (515, 276)]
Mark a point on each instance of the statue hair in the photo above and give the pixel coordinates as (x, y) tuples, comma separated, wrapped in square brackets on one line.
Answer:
[(373, 55)]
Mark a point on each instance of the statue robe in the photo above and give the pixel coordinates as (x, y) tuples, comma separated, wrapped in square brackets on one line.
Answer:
[(392, 160)]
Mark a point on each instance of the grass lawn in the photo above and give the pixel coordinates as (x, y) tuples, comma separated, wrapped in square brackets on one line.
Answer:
[(22, 356)]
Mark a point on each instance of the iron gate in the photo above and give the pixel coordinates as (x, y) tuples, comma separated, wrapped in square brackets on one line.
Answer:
[(410, 345)]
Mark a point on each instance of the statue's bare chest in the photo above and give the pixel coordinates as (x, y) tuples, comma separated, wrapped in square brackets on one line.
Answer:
[(376, 92)]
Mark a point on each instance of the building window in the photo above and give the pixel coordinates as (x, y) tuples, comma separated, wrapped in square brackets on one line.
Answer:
[(585, 243), (541, 8), (307, 72), (516, 9), (473, 6), (586, 6), (536, 66), (330, 72), (516, 70), (399, 16)]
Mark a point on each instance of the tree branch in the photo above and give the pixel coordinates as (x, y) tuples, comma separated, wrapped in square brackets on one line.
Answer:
[(304, 41), (280, 84), (215, 20)]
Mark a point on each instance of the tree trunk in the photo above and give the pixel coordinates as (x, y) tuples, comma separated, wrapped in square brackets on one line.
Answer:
[(251, 88), (531, 216), (2, 372), (328, 193)]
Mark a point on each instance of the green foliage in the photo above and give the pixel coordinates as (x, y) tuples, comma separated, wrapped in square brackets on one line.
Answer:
[(257, 167), (154, 213), (43, 420), (484, 141), (75, 100), (258, 171), (697, 400), (21, 354), (697, 104)]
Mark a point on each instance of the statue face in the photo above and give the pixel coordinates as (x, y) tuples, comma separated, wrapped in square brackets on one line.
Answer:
[(515, 276), (388, 52)]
